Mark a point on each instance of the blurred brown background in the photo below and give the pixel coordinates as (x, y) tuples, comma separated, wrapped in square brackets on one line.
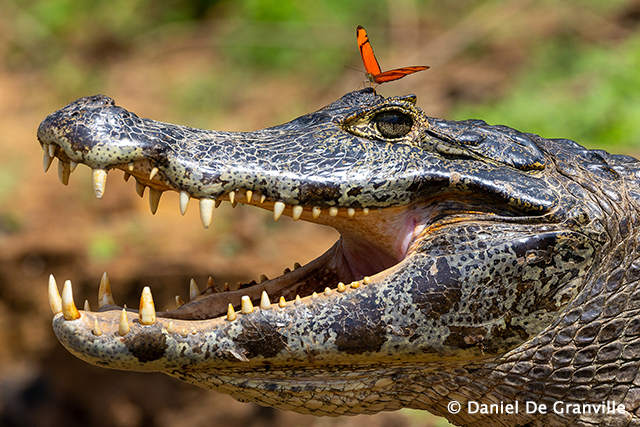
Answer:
[(561, 69)]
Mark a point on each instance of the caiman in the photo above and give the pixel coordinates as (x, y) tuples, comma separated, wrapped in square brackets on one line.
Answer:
[(483, 274)]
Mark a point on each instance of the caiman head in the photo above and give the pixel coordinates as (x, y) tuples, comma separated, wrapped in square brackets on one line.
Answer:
[(465, 252)]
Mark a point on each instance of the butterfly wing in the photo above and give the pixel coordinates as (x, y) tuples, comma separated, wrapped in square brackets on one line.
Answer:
[(398, 73), (366, 51)]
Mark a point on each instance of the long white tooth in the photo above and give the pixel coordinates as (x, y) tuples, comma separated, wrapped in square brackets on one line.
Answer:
[(69, 310), (194, 291), (263, 198), (99, 177), (184, 201), (63, 172), (351, 212), (123, 327), (231, 313), (154, 199), (104, 292), (147, 312), (47, 159), (246, 305), (249, 195), (96, 329), (333, 211), (206, 211), (87, 307), (316, 212), (140, 187), (278, 208), (265, 303), (153, 173), (298, 300), (130, 166), (297, 212), (55, 301), (52, 150), (232, 197), (170, 328)]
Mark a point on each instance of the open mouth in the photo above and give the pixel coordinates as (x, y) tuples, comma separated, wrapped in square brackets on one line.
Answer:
[(372, 242)]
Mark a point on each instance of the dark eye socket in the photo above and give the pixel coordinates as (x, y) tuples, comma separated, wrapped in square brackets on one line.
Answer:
[(393, 124)]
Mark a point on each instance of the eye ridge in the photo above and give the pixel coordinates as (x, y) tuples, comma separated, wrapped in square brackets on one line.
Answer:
[(393, 124)]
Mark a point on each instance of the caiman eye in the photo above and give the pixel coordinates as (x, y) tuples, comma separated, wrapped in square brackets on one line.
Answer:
[(393, 124)]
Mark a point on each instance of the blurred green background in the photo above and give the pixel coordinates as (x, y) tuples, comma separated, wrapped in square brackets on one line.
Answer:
[(566, 69)]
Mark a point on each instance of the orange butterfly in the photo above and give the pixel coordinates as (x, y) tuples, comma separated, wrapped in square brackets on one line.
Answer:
[(374, 73)]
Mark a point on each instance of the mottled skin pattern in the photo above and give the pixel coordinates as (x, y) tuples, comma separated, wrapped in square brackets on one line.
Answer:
[(504, 266)]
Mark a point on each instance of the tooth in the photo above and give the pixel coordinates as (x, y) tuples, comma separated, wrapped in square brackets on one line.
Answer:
[(194, 291), (327, 291), (140, 187), (226, 287), (231, 313), (366, 280), (286, 270), (278, 208), (210, 283), (232, 197), (246, 305), (72, 166), (63, 172), (104, 292), (52, 150), (206, 211), (218, 203), (170, 328), (341, 287), (333, 211), (297, 212), (47, 159), (123, 327), (351, 212), (179, 301), (87, 307), (126, 176), (297, 300), (282, 303), (365, 211), (147, 312), (69, 310), (263, 278), (355, 285), (249, 195), (316, 212), (96, 329), (314, 295), (265, 302), (130, 166), (263, 198), (153, 173), (55, 302), (296, 265), (184, 201), (99, 177), (154, 199)]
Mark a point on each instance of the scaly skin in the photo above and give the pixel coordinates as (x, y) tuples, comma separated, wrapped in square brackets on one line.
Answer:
[(481, 264)]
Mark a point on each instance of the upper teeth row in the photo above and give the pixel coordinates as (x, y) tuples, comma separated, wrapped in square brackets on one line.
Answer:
[(206, 204)]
